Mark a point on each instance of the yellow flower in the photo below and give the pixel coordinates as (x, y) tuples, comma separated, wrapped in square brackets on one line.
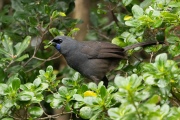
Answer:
[(127, 17), (89, 94)]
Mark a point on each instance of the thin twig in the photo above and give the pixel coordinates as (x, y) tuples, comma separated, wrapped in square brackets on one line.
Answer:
[(100, 34), (43, 33), (9, 65), (133, 102), (55, 116), (43, 109), (151, 57), (113, 15), (45, 60)]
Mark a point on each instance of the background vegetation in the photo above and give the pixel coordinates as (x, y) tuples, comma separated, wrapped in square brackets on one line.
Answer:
[(146, 87)]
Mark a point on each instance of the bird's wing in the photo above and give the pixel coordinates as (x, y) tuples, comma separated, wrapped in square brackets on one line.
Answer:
[(101, 50)]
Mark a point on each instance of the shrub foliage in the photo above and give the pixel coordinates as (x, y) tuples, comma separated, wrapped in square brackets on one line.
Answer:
[(145, 89)]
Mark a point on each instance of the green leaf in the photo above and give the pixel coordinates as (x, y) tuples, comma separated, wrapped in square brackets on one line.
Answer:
[(27, 86), (2, 75), (56, 103), (158, 23), (62, 14), (37, 82), (33, 20), (49, 69), (82, 89), (118, 80), (86, 112), (77, 97), (169, 16), (174, 50), (103, 92), (47, 9), (2, 51), (145, 3), (149, 79), (35, 111), (41, 72), (73, 31), (90, 100), (76, 76), (17, 5), (78, 105), (119, 42), (8, 45), (67, 82), (96, 114), (7, 19), (114, 113), (137, 11), (24, 97), (21, 58), (55, 14), (165, 109), (42, 87), (72, 92), (21, 15), (126, 2), (3, 88), (162, 83), (161, 59), (63, 91), (111, 89), (49, 98), (136, 81), (92, 86), (16, 82), (23, 45), (55, 32), (100, 84), (154, 99), (133, 23), (174, 4)]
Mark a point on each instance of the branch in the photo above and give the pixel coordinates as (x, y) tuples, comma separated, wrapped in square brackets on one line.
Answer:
[(45, 60), (113, 15), (54, 116)]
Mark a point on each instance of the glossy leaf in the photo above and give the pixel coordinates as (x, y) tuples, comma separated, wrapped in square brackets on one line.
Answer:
[(137, 11), (24, 97), (63, 91), (126, 2), (16, 84), (86, 112), (35, 111), (21, 47), (21, 58)]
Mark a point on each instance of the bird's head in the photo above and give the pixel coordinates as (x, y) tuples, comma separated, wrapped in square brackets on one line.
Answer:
[(62, 43), (56, 42)]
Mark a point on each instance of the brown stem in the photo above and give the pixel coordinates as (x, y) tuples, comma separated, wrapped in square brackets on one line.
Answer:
[(54, 116), (45, 60)]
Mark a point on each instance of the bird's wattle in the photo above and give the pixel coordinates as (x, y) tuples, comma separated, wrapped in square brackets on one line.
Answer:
[(58, 47)]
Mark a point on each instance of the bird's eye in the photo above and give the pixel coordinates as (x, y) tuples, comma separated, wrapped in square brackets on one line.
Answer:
[(58, 40)]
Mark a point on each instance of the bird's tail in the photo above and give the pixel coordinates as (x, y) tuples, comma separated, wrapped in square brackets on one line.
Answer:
[(143, 44)]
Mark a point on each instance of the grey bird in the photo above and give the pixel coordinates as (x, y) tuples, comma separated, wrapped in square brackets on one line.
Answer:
[(93, 59)]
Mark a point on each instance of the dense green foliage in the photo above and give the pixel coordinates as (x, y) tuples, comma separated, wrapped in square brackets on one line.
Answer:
[(144, 90)]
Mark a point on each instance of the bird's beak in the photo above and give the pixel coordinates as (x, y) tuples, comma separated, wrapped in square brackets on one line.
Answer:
[(51, 43)]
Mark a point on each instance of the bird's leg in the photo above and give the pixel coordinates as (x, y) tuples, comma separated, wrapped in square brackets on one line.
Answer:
[(105, 80)]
